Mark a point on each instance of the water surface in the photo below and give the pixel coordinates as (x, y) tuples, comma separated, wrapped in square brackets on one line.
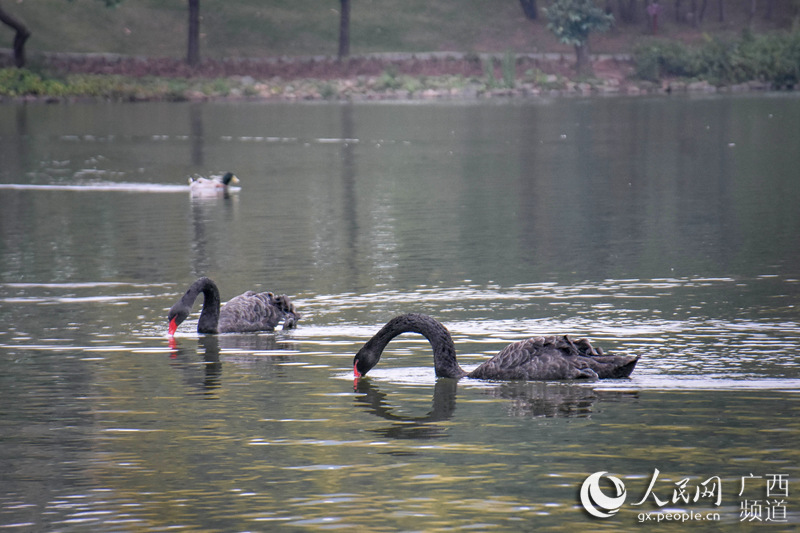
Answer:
[(665, 227)]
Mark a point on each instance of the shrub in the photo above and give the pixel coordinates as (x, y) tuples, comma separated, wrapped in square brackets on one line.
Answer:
[(772, 58), (327, 91), (666, 58), (94, 85), (509, 70), (388, 80), (488, 72), (22, 82)]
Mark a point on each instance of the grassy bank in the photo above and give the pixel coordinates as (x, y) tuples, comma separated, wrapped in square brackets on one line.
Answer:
[(764, 62), (268, 28), (260, 28), (372, 77), (242, 38)]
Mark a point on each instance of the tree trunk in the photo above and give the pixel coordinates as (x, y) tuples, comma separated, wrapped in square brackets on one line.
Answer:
[(22, 34), (722, 10), (583, 65), (624, 11), (632, 10), (193, 50), (344, 30), (529, 8)]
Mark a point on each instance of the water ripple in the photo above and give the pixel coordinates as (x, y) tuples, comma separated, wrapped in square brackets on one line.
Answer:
[(682, 332), (103, 186)]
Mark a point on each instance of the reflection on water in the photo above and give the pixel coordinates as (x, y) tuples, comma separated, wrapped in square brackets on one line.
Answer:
[(555, 399), (206, 375), (642, 225), (525, 399), (410, 427)]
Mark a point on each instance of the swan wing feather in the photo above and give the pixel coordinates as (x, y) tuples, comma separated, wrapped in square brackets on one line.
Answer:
[(553, 358), (253, 311)]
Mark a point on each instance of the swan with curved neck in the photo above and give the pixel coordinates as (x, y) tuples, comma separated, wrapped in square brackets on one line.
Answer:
[(537, 358), (247, 312)]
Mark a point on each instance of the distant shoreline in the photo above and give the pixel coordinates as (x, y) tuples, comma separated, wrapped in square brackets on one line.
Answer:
[(367, 77)]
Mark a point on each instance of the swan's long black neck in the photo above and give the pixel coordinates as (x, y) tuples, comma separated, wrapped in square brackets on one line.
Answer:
[(444, 352), (209, 316)]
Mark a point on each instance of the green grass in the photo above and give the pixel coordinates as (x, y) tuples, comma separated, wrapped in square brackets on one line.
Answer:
[(259, 28), (263, 27), (719, 52)]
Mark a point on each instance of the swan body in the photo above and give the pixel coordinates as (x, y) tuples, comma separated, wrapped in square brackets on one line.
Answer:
[(247, 312), (214, 185), (537, 358)]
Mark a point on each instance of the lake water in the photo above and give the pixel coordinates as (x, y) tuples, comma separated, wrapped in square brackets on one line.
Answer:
[(667, 227)]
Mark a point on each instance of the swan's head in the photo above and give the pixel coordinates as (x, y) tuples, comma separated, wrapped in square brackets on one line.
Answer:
[(364, 360), (229, 178), (176, 315)]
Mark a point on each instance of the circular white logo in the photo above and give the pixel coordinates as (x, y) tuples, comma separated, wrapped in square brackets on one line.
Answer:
[(598, 504)]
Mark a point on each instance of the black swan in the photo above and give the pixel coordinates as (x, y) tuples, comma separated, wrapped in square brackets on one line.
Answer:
[(214, 184), (245, 313), (537, 358)]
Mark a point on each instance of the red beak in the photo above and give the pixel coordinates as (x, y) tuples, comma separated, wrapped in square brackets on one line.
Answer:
[(357, 375), (172, 327)]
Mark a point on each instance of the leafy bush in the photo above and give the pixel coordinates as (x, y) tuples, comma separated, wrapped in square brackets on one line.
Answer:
[(488, 72), (327, 91), (509, 70), (772, 58), (21, 82), (388, 80), (216, 87), (572, 21), (94, 86)]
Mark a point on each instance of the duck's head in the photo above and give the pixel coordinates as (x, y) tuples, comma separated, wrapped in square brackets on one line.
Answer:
[(229, 178)]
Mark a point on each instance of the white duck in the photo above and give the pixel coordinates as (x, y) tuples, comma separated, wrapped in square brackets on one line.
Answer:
[(213, 185)]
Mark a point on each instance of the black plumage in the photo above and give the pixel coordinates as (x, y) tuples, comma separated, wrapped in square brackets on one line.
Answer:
[(537, 358), (248, 312)]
